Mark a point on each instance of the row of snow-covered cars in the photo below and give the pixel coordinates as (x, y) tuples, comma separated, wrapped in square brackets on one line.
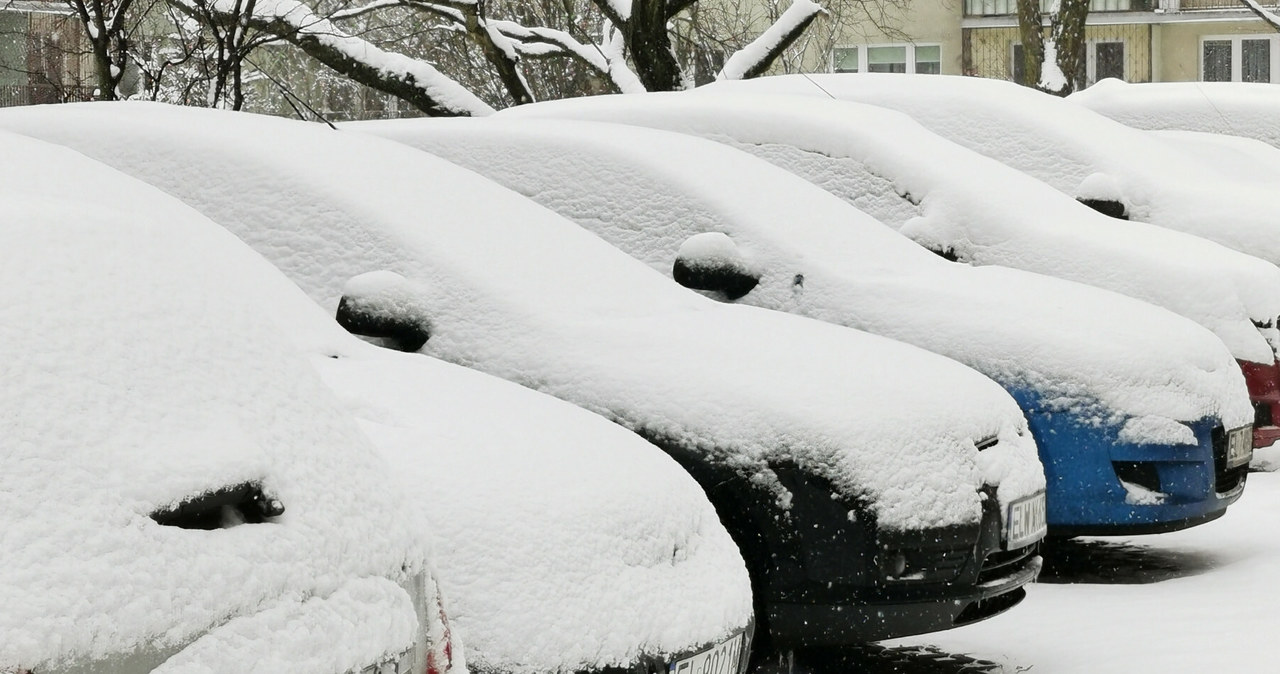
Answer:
[(204, 472)]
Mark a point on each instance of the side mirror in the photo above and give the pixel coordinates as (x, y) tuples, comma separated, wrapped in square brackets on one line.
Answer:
[(712, 261), (1102, 193), (384, 305)]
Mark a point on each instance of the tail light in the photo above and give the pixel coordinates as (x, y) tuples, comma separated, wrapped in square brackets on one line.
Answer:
[(440, 652)]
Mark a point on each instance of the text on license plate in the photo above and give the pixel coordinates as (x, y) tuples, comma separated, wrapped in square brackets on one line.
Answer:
[(723, 658), (1239, 446), (1026, 523)]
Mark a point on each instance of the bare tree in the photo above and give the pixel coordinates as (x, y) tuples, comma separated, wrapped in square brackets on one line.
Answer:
[(626, 46)]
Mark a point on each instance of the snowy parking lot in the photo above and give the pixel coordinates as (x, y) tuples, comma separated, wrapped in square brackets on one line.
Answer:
[(1199, 600)]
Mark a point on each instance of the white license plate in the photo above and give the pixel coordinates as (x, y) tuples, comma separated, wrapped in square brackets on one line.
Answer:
[(723, 658), (1026, 523), (1239, 446)]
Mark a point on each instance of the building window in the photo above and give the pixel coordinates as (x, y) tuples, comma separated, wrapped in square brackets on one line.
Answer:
[(1249, 58), (1107, 61), (1255, 60), (929, 59), (845, 60), (888, 58)]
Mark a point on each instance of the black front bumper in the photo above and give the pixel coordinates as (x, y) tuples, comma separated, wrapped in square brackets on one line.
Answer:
[(888, 616)]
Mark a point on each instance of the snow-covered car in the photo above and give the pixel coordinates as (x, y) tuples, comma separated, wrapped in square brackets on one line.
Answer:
[(973, 209), (179, 491), (564, 542), (858, 516), (1246, 109), (1126, 432)]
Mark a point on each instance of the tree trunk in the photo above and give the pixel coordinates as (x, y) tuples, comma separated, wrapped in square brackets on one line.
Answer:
[(1032, 34), (650, 45)]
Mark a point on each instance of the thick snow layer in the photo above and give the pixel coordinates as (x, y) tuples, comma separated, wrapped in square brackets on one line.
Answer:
[(520, 292), (592, 546), (657, 195), (1247, 109), (983, 213), (1199, 600), (374, 614), (131, 383), (565, 542), (1062, 144)]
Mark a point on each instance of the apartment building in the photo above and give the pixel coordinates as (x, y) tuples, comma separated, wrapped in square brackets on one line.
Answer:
[(1134, 40)]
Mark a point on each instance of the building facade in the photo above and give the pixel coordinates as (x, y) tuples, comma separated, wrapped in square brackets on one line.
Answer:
[(43, 54), (1133, 40)]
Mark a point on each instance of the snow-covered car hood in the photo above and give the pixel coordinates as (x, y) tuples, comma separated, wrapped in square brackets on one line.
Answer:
[(1247, 109), (132, 384), (563, 542), (649, 191), (513, 289), (1080, 153), (985, 213)]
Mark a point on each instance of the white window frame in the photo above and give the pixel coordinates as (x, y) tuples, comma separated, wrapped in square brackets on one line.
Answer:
[(1237, 53), (862, 55)]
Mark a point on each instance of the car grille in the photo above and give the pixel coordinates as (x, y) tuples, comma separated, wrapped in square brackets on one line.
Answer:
[(936, 564), (1225, 480), (1001, 563), (1262, 414)]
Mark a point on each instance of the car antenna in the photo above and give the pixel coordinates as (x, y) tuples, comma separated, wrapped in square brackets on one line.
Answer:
[(289, 97), (819, 86)]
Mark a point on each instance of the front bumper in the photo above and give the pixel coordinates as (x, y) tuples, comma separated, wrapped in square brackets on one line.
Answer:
[(1263, 381), (916, 612), (1100, 485)]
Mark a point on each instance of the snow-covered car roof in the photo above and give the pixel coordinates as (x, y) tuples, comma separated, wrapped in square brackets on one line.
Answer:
[(133, 388), (511, 288), (1247, 109), (649, 191), (564, 542), (1080, 153), (955, 201)]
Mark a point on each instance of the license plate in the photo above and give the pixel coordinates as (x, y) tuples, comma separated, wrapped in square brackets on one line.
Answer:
[(1239, 446), (1026, 523), (723, 658)]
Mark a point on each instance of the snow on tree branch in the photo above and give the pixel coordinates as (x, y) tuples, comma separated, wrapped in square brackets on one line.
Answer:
[(1268, 16), (412, 80), (755, 58)]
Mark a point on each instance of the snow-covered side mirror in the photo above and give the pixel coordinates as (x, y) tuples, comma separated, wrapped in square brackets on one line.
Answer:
[(712, 261), (1102, 193), (383, 305)]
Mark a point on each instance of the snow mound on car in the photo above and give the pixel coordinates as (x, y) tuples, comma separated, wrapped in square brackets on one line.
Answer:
[(955, 201), (132, 382), (565, 542), (522, 293), (1062, 144), (667, 191), (1247, 109)]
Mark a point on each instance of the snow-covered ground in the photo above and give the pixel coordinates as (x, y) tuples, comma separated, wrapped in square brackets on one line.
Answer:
[(1199, 600)]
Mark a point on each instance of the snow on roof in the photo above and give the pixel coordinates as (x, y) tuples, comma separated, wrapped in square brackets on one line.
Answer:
[(1247, 109), (520, 292), (984, 213), (583, 524), (1023, 330), (132, 383), (1066, 146)]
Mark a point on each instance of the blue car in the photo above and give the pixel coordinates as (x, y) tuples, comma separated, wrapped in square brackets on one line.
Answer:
[(1137, 434)]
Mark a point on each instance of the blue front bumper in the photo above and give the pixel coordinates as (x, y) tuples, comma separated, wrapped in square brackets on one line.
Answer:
[(1084, 466)]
